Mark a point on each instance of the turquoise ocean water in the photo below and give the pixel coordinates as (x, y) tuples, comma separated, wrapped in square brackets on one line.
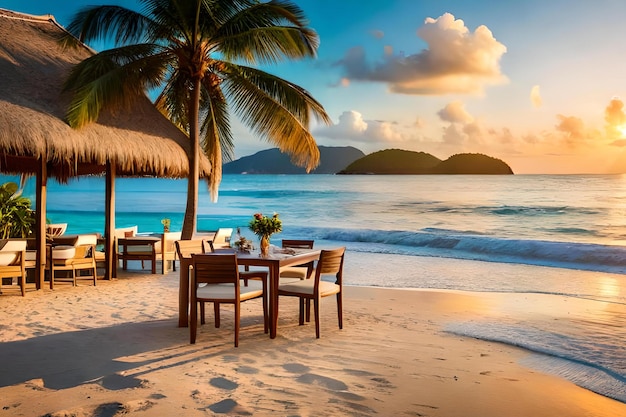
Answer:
[(562, 236)]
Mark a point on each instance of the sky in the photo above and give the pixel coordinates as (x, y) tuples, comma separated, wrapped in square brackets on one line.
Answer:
[(539, 84)]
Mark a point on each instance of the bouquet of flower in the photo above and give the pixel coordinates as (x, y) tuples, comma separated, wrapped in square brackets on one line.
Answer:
[(166, 224), (265, 226), (243, 244)]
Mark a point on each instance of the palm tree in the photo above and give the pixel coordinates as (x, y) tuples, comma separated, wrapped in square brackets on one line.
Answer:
[(198, 54)]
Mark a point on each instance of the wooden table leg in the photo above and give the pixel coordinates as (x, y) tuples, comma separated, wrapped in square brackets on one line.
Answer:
[(273, 307)]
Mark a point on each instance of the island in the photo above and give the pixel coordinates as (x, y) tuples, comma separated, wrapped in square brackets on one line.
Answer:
[(402, 162)]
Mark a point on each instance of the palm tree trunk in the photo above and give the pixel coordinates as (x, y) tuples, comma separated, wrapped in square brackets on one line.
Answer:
[(190, 220)]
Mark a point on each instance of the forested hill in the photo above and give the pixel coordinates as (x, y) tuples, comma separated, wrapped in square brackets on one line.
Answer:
[(271, 161), (397, 161)]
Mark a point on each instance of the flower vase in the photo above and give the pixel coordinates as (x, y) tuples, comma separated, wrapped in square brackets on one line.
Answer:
[(265, 246), (166, 229)]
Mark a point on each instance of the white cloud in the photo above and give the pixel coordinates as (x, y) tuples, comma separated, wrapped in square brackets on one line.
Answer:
[(353, 127), (455, 112), (535, 97), (456, 61), (573, 127), (615, 119)]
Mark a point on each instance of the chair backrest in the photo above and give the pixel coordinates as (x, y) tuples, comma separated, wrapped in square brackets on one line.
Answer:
[(86, 240), (207, 246), (167, 244), (222, 237), (56, 229), (11, 251), (298, 243), (185, 248), (123, 232), (330, 263), (213, 268)]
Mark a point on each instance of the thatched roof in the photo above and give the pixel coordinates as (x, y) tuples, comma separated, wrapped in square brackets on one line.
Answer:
[(33, 67)]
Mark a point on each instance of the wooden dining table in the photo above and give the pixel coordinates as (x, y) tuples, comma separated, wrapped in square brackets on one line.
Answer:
[(274, 261)]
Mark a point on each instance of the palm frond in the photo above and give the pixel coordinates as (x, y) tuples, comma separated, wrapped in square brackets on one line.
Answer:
[(100, 23), (113, 78), (215, 117), (276, 110), (267, 33), (173, 101)]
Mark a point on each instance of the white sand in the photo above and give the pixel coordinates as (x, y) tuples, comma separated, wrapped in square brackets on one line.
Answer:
[(114, 350)]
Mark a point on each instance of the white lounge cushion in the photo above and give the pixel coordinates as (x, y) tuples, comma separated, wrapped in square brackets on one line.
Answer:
[(227, 291), (63, 252), (306, 286), (7, 252)]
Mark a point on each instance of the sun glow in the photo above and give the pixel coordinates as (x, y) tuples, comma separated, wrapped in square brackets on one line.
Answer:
[(621, 129)]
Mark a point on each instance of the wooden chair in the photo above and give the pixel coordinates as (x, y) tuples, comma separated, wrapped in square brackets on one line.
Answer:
[(220, 274), (166, 250), (55, 230), (122, 233), (12, 262), (184, 250), (330, 263), (299, 271), (221, 239), (77, 258)]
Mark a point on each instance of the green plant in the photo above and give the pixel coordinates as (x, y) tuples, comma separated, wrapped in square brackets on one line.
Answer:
[(265, 226), (16, 217)]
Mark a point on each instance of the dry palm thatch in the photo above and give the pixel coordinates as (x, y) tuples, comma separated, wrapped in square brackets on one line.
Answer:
[(33, 67), (35, 138)]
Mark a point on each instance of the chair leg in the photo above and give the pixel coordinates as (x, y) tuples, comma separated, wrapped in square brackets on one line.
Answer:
[(237, 322), (316, 310), (308, 310), (301, 315), (202, 315), (22, 283), (340, 309), (216, 310), (193, 321)]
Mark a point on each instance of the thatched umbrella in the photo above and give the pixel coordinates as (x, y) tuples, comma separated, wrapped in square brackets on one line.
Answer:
[(35, 139)]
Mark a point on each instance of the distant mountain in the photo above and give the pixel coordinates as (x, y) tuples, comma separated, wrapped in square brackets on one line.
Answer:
[(397, 161), (272, 161)]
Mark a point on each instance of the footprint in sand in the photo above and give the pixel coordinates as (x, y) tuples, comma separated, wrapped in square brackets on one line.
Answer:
[(223, 407), (296, 368), (223, 383), (330, 383)]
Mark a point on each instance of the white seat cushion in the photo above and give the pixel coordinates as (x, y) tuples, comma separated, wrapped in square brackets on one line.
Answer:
[(227, 291), (306, 286)]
